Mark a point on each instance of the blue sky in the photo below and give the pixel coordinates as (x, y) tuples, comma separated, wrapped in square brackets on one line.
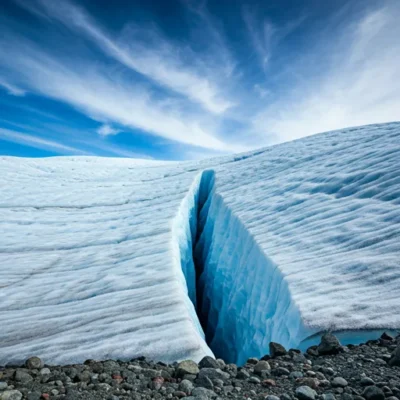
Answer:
[(190, 79)]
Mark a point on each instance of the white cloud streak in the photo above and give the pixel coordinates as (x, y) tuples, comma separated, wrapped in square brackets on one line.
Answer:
[(107, 130), (103, 96), (158, 59), (11, 89), (265, 36), (37, 142), (360, 86), (346, 75)]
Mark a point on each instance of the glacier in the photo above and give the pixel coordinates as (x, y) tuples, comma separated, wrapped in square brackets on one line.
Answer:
[(118, 258)]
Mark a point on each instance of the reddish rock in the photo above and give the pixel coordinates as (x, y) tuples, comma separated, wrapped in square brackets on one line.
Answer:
[(269, 382), (157, 383), (118, 378)]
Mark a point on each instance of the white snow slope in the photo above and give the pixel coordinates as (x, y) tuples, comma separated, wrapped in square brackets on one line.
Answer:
[(287, 241)]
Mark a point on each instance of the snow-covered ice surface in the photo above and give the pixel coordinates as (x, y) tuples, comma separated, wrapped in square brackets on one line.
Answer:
[(288, 241)]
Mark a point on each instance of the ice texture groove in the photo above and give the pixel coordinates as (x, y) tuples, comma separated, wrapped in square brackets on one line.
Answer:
[(293, 239)]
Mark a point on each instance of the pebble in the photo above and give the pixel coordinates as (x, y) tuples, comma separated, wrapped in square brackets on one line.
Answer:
[(11, 395), (329, 344), (276, 350), (22, 376), (187, 367), (208, 362), (187, 386), (328, 396), (356, 375), (305, 393), (34, 363), (243, 374), (366, 381), (373, 393), (339, 382), (202, 392), (213, 373), (261, 366)]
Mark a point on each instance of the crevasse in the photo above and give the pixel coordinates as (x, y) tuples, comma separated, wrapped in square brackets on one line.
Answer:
[(241, 298)]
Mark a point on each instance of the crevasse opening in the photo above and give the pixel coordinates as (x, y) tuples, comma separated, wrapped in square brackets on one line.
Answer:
[(241, 298)]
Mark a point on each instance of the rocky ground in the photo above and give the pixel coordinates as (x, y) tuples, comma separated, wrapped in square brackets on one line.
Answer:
[(329, 371)]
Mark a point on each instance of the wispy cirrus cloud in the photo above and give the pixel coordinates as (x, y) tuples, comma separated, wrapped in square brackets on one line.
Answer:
[(104, 96), (265, 36), (357, 85), (38, 142), (206, 91), (11, 89), (153, 57)]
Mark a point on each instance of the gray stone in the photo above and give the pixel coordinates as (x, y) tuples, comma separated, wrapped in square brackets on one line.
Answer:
[(367, 382), (329, 344), (395, 359), (347, 396), (85, 376), (22, 376), (261, 366), (328, 396), (254, 379), (218, 383), (3, 385), (209, 362), (213, 373), (243, 374), (276, 350), (280, 371), (34, 363), (272, 397), (203, 393), (179, 394), (227, 389), (373, 393), (45, 371), (339, 382), (204, 382), (11, 395), (186, 386), (231, 369), (151, 373), (187, 367), (305, 393), (387, 336), (299, 358), (34, 396), (296, 374)]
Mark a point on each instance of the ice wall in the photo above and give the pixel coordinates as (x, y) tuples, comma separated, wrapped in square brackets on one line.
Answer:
[(241, 297)]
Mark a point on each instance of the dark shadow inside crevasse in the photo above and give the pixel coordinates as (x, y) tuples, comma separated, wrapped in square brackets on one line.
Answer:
[(203, 200)]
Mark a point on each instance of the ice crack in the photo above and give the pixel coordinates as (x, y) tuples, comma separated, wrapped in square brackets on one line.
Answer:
[(241, 298)]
